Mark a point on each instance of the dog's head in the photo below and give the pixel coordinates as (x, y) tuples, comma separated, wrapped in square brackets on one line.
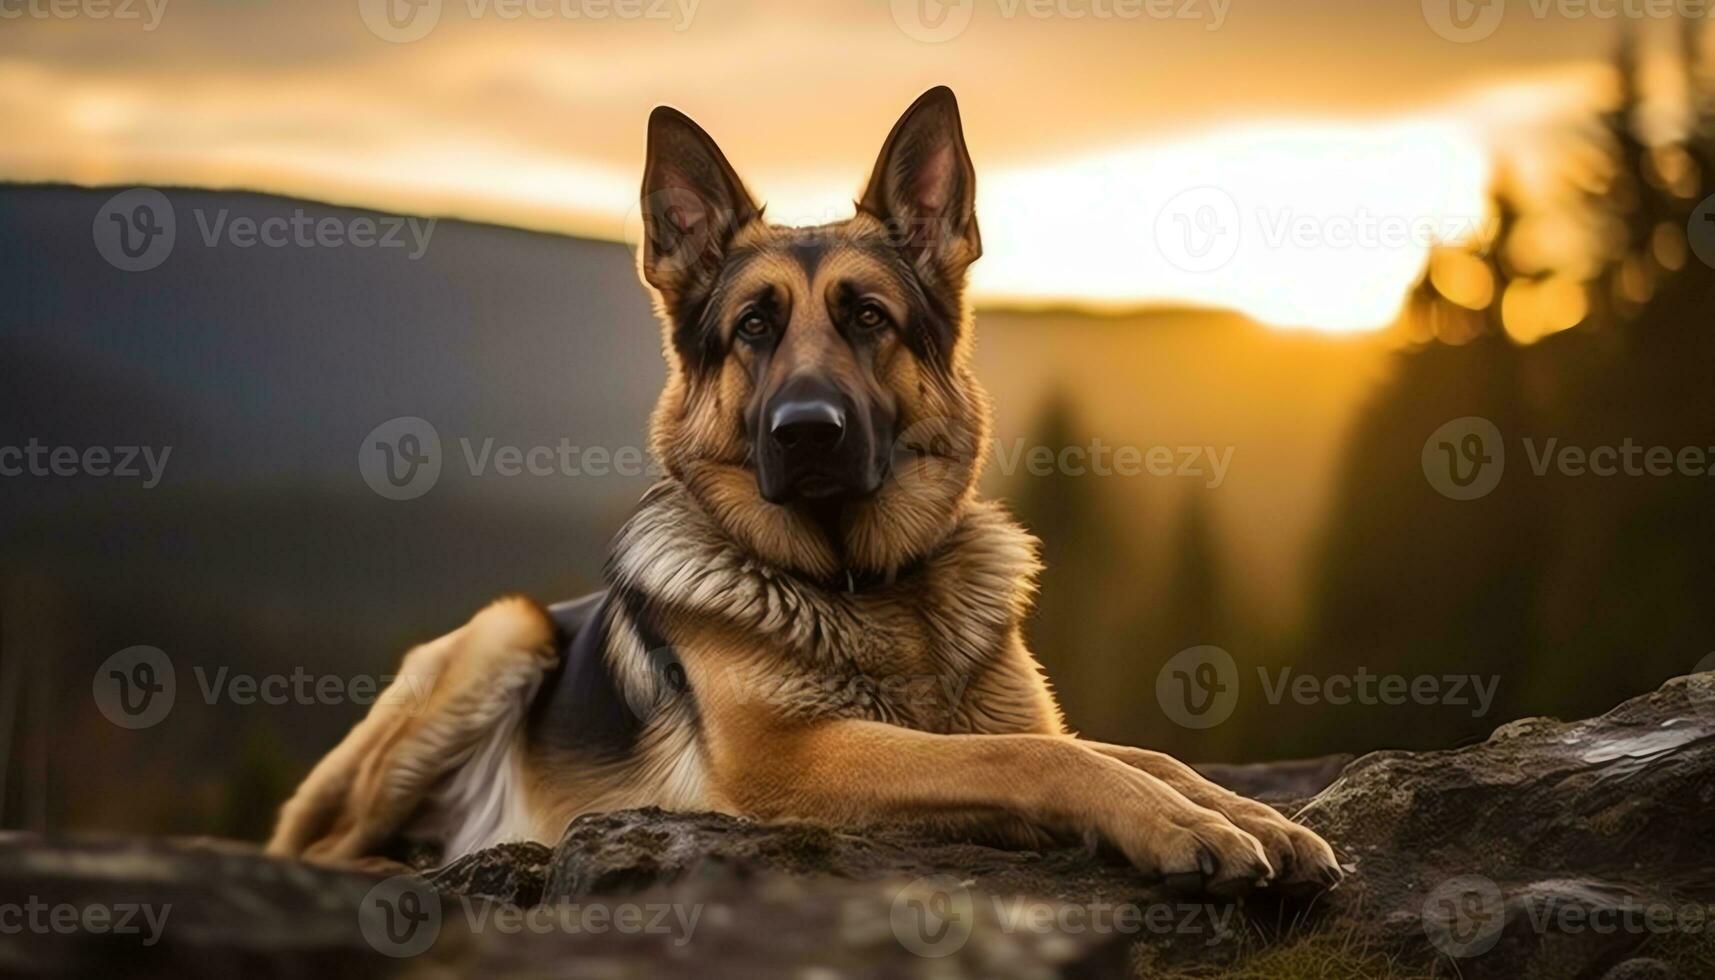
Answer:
[(819, 401)]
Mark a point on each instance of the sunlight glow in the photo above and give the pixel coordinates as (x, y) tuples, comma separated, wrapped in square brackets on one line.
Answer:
[(1313, 224)]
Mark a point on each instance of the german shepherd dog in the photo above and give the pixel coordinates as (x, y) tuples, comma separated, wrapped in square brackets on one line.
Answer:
[(812, 616)]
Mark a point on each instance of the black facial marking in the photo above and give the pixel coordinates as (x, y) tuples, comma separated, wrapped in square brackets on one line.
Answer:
[(932, 321), (808, 253), (698, 337)]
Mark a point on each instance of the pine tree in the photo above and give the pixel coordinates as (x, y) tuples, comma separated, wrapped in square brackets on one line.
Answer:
[(1065, 512)]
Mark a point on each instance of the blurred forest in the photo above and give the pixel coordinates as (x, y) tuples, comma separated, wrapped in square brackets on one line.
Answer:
[(1583, 317)]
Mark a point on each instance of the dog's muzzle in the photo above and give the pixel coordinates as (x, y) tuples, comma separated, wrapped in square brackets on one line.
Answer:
[(814, 444)]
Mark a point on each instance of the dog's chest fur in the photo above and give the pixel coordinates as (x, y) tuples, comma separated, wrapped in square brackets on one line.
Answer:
[(936, 650)]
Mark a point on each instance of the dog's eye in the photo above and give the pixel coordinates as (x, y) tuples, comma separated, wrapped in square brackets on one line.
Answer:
[(754, 326), (870, 316)]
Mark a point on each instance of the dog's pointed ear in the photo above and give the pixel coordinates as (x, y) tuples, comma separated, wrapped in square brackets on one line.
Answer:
[(693, 202), (925, 188)]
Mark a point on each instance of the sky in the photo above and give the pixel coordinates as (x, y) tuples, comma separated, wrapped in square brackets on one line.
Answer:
[(1292, 159)]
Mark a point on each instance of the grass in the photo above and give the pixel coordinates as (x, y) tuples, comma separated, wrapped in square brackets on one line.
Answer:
[(1307, 955)]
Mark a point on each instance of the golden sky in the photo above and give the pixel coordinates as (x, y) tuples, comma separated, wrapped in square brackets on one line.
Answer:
[(1287, 158)]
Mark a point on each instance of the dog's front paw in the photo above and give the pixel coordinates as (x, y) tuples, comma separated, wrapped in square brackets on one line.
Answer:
[(1193, 850), (1303, 862)]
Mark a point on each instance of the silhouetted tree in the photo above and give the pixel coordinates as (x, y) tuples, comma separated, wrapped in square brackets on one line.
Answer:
[(1065, 511), (1576, 589)]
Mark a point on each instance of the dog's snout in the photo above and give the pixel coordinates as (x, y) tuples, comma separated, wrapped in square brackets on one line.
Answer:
[(807, 424), (815, 440), (813, 443), (807, 416)]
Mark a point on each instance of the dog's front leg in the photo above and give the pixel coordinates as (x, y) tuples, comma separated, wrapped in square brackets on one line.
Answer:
[(849, 772), (1299, 856)]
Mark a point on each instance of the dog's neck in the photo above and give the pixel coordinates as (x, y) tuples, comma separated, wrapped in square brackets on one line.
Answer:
[(674, 555), (847, 541)]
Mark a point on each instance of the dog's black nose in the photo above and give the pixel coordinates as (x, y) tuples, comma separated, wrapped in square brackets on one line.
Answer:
[(813, 443), (809, 422)]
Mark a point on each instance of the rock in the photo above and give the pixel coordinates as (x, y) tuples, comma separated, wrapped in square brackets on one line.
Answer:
[(1551, 845), (1551, 850), (132, 907), (513, 873), (1641, 968), (619, 853), (1274, 782)]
